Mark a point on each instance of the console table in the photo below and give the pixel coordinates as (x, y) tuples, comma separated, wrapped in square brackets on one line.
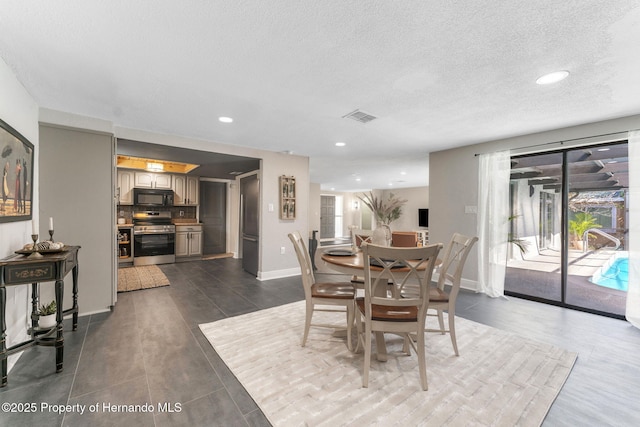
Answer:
[(21, 270)]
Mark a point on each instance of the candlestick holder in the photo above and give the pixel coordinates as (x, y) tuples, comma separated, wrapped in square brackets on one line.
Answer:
[(34, 250), (51, 235)]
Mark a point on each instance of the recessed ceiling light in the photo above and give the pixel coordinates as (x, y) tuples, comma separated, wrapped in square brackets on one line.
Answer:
[(554, 77), (358, 179), (340, 144), (403, 173), (225, 119), (603, 149)]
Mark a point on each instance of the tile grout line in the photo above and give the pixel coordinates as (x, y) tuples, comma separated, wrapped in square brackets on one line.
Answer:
[(75, 372)]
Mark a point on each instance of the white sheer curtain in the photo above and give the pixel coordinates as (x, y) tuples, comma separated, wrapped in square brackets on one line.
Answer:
[(633, 293), (493, 217)]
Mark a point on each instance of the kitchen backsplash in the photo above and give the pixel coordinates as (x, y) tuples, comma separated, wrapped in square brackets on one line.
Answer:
[(127, 210)]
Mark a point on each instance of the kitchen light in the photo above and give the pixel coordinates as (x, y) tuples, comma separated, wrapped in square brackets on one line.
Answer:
[(155, 167), (554, 77), (225, 119), (340, 144)]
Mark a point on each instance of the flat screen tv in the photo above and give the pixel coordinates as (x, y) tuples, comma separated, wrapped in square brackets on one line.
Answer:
[(423, 217)]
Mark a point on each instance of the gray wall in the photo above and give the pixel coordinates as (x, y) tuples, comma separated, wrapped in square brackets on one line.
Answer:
[(76, 189), (417, 198), (453, 180)]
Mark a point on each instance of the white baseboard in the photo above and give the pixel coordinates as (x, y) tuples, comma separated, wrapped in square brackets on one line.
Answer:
[(278, 274)]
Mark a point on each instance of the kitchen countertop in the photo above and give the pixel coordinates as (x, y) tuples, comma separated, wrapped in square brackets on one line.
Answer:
[(185, 221)]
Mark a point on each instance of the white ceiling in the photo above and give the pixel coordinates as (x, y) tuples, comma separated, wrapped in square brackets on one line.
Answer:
[(437, 74)]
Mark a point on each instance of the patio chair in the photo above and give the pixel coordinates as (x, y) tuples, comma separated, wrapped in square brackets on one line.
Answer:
[(384, 309), (323, 293)]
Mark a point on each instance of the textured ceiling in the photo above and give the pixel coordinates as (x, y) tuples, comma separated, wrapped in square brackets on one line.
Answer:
[(436, 74)]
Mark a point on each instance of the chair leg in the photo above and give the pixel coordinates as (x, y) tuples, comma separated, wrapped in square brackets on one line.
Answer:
[(441, 322), (307, 322), (422, 362), (367, 358), (452, 331), (359, 333), (350, 320)]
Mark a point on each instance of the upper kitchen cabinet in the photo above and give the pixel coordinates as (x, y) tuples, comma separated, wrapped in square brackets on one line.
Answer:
[(185, 190), (125, 187), (152, 180)]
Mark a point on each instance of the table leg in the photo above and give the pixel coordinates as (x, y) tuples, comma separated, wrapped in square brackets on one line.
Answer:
[(59, 337), (3, 329), (35, 296), (381, 347), (74, 273)]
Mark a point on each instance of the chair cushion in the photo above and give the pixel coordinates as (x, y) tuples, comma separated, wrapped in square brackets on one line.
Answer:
[(388, 313), (341, 290), (437, 295)]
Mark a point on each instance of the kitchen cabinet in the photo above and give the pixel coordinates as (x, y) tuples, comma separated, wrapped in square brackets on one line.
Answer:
[(185, 190), (125, 245), (152, 180), (125, 187), (188, 241)]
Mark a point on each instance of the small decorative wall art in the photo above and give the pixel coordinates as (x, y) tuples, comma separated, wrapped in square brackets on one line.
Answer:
[(16, 164)]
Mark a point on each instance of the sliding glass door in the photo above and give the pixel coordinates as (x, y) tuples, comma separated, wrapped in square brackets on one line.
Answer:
[(569, 228)]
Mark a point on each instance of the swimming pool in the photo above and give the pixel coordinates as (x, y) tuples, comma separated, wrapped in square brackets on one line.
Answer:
[(616, 276)]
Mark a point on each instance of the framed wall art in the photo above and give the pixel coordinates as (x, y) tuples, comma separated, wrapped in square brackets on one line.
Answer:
[(17, 175)]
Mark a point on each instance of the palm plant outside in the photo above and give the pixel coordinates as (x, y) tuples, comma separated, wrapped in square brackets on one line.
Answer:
[(582, 222)]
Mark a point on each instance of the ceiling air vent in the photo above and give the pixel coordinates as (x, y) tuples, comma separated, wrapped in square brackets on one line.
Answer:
[(360, 116)]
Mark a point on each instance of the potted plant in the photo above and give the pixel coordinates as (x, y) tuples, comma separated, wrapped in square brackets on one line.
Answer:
[(582, 222), (47, 315)]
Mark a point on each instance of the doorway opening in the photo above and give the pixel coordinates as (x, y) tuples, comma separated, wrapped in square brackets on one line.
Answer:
[(332, 220), (569, 228), (213, 216)]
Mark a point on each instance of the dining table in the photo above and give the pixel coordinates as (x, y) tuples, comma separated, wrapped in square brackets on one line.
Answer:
[(351, 262)]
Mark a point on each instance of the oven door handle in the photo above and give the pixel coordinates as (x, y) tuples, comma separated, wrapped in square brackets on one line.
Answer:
[(153, 232)]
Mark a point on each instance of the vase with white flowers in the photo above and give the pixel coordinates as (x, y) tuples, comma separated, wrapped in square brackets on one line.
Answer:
[(385, 212)]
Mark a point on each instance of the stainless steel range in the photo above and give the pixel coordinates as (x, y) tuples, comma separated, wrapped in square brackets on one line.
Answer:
[(154, 238)]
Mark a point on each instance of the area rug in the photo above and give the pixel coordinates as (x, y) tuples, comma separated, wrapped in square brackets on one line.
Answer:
[(499, 379), (144, 277)]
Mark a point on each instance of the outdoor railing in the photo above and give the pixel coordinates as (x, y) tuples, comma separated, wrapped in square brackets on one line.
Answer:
[(585, 238)]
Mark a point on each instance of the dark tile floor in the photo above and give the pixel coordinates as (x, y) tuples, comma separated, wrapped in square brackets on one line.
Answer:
[(149, 350)]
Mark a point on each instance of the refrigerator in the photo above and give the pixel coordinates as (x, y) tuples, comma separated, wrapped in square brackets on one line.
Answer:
[(250, 222)]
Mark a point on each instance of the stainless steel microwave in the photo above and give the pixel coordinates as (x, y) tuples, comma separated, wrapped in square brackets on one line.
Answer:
[(152, 197)]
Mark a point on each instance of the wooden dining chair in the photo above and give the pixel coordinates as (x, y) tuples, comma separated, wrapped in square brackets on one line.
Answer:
[(322, 294), (450, 274), (384, 308)]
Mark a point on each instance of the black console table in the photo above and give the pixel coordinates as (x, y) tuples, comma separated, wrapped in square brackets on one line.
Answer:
[(23, 269)]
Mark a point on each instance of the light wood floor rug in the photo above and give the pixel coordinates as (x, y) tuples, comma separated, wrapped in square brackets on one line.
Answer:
[(499, 379), (144, 277)]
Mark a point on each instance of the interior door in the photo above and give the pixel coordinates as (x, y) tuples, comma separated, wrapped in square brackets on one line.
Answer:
[(327, 217), (213, 215)]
